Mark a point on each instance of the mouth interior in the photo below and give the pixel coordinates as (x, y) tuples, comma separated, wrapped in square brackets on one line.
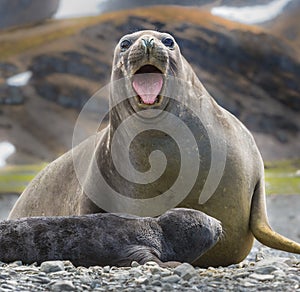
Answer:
[(148, 86)]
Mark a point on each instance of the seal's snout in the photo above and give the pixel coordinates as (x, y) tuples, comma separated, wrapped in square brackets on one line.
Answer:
[(147, 43), (219, 232), (216, 227)]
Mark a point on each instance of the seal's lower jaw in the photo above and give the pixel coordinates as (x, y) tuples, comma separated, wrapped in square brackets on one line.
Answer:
[(148, 82), (142, 104)]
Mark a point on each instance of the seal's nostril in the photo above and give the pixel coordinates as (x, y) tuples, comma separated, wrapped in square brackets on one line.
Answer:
[(147, 44), (151, 42)]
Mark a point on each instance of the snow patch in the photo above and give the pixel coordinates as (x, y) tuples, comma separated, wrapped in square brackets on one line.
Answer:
[(20, 79), (6, 149), (251, 14), (78, 8)]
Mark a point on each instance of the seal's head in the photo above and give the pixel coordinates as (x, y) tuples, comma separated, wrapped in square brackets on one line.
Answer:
[(146, 59), (190, 233)]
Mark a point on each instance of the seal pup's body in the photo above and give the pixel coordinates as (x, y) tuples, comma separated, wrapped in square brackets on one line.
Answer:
[(179, 235), (239, 198)]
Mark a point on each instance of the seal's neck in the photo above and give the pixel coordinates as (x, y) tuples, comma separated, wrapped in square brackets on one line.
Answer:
[(140, 159)]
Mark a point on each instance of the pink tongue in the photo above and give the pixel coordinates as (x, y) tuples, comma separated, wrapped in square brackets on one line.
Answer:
[(147, 86)]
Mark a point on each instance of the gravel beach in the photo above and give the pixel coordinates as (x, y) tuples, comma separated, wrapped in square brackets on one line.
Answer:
[(263, 270)]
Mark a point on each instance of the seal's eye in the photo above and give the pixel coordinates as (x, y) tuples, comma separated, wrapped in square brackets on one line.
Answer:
[(125, 45), (168, 42)]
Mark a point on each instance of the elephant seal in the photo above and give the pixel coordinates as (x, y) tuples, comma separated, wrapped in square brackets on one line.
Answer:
[(228, 183), (110, 239)]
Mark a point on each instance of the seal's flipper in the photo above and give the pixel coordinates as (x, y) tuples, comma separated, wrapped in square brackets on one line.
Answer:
[(140, 254), (171, 264), (260, 227)]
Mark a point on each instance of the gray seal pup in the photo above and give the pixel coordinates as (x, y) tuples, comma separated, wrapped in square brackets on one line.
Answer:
[(230, 159), (179, 235)]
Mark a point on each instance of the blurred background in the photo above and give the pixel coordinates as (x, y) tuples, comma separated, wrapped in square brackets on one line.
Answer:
[(55, 54)]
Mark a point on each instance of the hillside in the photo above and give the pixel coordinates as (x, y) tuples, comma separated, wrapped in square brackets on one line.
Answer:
[(287, 25), (250, 72)]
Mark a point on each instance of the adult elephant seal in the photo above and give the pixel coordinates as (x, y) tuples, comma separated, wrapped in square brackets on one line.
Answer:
[(110, 239), (210, 163)]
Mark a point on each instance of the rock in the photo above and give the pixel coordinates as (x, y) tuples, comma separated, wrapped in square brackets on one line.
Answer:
[(135, 264), (172, 279), (142, 280), (106, 269), (62, 285), (165, 273), (248, 284), (167, 287), (279, 262), (265, 269), (151, 264), (8, 287), (70, 62), (69, 97), (261, 277), (136, 272), (185, 271), (52, 266), (156, 283), (40, 279), (7, 69), (279, 273), (95, 284), (30, 269), (11, 95), (16, 264), (241, 274)]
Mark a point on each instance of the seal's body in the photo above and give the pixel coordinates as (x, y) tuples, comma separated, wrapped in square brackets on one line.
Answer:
[(238, 197), (110, 239)]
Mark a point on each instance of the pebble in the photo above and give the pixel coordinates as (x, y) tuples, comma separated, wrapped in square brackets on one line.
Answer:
[(261, 277), (264, 270), (185, 271), (52, 266), (62, 285), (135, 264), (172, 279)]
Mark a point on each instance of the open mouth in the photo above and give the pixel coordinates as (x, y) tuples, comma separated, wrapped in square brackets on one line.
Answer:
[(148, 86)]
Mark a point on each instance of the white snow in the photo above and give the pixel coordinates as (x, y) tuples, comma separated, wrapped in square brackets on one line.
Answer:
[(251, 14), (78, 8), (6, 149), (20, 79), (246, 14)]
